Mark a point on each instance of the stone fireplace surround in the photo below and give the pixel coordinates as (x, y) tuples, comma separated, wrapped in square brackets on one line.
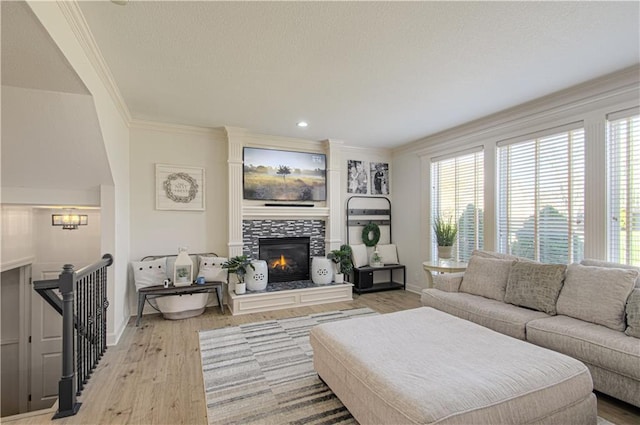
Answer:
[(253, 230)]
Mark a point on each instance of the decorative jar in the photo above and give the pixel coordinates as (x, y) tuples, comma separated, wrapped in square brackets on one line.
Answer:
[(321, 270), (257, 276)]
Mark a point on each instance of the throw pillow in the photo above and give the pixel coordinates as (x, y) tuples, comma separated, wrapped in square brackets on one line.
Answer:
[(535, 285), (490, 254), (633, 314), (211, 269), (486, 277), (599, 263), (596, 294), (149, 273), (389, 253), (359, 255)]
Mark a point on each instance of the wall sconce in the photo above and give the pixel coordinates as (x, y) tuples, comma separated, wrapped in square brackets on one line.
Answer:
[(69, 221)]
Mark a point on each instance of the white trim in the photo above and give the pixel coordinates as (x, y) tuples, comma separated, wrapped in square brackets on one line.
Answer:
[(249, 212), (9, 341), (71, 11), (456, 154), (114, 337), (17, 263), (176, 128), (540, 134), (583, 98), (627, 113)]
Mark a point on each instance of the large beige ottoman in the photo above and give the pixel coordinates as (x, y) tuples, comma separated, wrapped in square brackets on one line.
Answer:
[(424, 366)]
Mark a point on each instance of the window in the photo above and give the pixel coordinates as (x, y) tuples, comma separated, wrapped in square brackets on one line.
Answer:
[(457, 194), (624, 187), (541, 196)]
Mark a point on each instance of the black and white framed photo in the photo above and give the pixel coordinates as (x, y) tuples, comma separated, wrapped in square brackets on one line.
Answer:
[(357, 177), (379, 178), (179, 188)]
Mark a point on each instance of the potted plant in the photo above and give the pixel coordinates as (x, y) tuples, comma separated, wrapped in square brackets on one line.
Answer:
[(342, 260), (238, 265), (445, 231)]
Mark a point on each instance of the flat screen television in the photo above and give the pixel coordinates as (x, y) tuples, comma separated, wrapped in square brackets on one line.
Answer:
[(276, 175)]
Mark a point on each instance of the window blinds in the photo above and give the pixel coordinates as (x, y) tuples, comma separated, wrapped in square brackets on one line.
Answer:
[(623, 151), (458, 193), (541, 197)]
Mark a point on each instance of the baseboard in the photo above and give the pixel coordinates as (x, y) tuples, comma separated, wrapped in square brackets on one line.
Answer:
[(414, 288), (114, 337)]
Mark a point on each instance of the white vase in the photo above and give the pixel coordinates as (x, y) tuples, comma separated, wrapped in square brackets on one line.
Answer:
[(339, 278), (321, 270), (258, 276), (241, 288)]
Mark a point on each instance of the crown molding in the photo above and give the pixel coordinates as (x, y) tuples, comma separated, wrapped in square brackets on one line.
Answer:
[(177, 128), (617, 84), (75, 18), (359, 150)]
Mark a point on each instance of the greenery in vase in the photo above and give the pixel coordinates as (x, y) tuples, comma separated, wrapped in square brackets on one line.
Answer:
[(445, 230), (342, 257), (238, 265), (375, 258)]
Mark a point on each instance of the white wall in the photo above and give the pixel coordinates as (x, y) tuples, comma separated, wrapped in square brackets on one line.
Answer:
[(55, 247), (159, 232), (60, 21), (17, 237), (588, 103), (368, 156), (407, 186)]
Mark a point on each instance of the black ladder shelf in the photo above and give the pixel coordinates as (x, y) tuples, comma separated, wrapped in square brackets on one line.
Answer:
[(364, 278)]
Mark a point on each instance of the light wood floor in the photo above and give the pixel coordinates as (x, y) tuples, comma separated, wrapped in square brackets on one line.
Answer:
[(153, 375)]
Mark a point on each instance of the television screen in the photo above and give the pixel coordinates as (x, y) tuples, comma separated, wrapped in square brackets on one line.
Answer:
[(274, 175)]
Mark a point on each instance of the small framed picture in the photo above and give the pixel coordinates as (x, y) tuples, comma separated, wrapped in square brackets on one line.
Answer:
[(379, 178), (179, 188), (357, 177)]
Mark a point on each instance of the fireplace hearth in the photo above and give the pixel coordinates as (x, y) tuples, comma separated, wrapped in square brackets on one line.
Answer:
[(287, 258)]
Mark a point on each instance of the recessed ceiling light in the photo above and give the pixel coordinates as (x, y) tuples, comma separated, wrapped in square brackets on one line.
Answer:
[(302, 124)]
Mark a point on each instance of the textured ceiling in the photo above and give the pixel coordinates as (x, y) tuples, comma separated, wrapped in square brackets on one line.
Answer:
[(376, 74), (30, 58)]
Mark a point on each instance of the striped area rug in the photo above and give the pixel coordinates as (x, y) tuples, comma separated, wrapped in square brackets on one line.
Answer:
[(262, 373)]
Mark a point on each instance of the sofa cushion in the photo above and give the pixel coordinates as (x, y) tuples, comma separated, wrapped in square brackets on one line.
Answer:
[(535, 285), (596, 294), (388, 253), (149, 273), (495, 255), (608, 264), (588, 342), (486, 277), (449, 282), (359, 255), (633, 314), (504, 318), (211, 269)]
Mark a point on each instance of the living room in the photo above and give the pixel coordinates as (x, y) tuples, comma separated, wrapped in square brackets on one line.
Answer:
[(132, 227)]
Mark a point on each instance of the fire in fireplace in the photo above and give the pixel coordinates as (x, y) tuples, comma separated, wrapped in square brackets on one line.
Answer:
[(287, 258)]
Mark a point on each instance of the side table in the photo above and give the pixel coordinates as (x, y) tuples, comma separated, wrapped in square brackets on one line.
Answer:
[(442, 266)]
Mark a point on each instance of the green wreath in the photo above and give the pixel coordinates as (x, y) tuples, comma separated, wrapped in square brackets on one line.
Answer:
[(371, 228)]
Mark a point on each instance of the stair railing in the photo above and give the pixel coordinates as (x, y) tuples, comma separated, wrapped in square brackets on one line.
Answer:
[(83, 307)]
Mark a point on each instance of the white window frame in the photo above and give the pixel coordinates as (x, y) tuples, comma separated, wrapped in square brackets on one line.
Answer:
[(503, 194)]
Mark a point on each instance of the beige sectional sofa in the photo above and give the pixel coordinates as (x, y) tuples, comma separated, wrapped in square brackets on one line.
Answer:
[(589, 311)]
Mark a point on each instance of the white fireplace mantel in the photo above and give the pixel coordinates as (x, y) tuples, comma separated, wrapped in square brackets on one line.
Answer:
[(257, 212)]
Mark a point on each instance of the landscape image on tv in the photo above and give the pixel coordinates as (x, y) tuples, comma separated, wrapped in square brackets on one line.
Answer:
[(274, 175)]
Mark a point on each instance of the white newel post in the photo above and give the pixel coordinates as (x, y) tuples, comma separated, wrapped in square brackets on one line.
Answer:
[(334, 225)]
